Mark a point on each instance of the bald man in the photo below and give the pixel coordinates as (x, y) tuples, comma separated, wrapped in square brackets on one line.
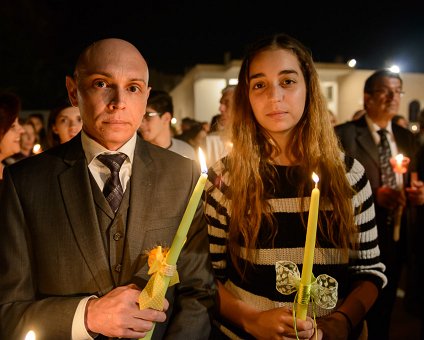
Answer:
[(73, 263)]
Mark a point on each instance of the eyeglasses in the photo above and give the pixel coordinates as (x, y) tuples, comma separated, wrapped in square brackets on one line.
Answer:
[(149, 115), (385, 91)]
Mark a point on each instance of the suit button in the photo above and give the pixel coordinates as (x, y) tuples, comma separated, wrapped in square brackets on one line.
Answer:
[(118, 268), (117, 236)]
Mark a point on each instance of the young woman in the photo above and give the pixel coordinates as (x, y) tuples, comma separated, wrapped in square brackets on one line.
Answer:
[(257, 202), (63, 124)]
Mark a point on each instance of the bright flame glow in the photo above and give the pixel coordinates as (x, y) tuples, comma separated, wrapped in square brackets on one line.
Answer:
[(351, 63), (30, 336), (174, 121), (394, 69), (202, 161), (233, 81), (36, 148), (399, 159), (315, 178)]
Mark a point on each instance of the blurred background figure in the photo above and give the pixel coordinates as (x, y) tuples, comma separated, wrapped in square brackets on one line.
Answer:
[(373, 139), (186, 124), (28, 141), (401, 121), (64, 123), (10, 129), (218, 141), (206, 126), (214, 126), (156, 125), (195, 136), (358, 114), (38, 120)]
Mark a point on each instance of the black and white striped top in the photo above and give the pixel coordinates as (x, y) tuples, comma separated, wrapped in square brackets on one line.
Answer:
[(258, 288)]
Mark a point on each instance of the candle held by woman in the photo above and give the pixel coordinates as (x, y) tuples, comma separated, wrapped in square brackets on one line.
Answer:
[(308, 257)]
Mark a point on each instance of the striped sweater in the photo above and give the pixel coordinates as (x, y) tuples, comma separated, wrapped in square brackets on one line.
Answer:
[(258, 287)]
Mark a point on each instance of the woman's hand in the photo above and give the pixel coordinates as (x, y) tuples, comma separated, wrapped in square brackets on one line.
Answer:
[(278, 323)]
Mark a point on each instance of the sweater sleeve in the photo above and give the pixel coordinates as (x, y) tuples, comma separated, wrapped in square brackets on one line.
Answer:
[(217, 217), (364, 259)]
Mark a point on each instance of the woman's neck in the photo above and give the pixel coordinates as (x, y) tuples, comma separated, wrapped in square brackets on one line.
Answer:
[(283, 159)]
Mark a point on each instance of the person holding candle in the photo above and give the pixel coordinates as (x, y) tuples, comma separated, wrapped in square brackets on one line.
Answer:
[(72, 264), (257, 200), (361, 139)]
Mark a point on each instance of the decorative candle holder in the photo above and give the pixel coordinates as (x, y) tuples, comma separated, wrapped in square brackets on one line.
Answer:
[(400, 165), (322, 291)]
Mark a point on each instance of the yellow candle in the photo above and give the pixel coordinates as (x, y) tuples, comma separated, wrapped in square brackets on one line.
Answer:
[(311, 233), (308, 257), (180, 236)]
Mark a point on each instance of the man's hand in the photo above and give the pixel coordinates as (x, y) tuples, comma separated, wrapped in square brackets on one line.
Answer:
[(390, 198), (117, 314), (415, 193)]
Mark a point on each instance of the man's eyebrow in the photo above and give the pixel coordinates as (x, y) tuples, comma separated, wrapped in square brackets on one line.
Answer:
[(109, 75)]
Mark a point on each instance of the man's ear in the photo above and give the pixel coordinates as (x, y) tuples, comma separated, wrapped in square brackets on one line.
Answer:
[(71, 86), (167, 116), (367, 99)]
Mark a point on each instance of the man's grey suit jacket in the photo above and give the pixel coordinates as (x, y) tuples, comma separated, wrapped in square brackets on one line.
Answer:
[(51, 249)]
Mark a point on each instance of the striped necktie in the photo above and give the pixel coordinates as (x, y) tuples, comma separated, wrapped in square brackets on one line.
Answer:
[(388, 176), (113, 189)]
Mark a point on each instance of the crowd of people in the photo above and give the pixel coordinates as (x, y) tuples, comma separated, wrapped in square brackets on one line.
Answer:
[(111, 181)]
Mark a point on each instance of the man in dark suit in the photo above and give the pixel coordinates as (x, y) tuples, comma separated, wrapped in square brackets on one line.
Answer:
[(72, 260), (360, 139)]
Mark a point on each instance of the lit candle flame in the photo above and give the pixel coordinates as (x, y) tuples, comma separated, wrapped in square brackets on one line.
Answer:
[(399, 159), (30, 336), (36, 148), (202, 160), (315, 178)]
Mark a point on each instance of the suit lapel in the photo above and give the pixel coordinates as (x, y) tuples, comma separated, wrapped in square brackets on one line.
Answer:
[(78, 198), (142, 176), (365, 140)]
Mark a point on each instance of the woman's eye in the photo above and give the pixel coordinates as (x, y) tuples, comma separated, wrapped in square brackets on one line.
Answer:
[(257, 86), (287, 82)]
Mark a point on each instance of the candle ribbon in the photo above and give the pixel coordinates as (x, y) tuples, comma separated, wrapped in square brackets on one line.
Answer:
[(152, 295), (323, 288)]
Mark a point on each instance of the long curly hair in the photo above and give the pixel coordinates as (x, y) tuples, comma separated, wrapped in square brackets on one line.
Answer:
[(313, 145)]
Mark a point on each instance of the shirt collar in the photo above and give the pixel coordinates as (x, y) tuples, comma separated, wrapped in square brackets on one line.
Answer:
[(92, 149), (374, 127)]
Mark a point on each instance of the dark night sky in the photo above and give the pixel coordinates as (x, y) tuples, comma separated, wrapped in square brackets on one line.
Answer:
[(39, 40)]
